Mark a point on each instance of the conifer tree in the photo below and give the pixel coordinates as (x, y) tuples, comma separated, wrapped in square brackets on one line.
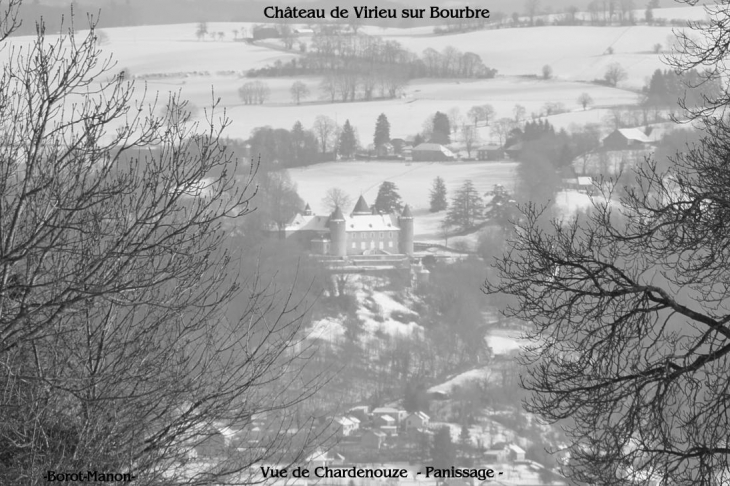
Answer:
[(441, 129), (388, 200), (438, 196), (382, 131), (348, 141), (466, 207)]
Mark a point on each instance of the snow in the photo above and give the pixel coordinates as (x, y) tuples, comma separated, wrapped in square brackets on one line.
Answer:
[(464, 379), (328, 329), (413, 180), (526, 51), (378, 320), (570, 202), (174, 60), (505, 341)]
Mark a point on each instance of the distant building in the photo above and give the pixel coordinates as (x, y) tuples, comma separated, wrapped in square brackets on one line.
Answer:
[(490, 152), (431, 152), (363, 232), (398, 415), (385, 150), (386, 424), (360, 413), (582, 184), (626, 138), (417, 420), (344, 426), (502, 452)]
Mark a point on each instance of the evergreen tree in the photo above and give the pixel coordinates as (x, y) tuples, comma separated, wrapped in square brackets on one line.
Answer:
[(466, 207), (388, 200), (382, 131), (438, 196), (441, 129), (305, 145), (348, 141)]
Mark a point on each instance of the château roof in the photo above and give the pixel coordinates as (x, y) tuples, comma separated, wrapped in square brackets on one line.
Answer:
[(307, 223), (361, 207), (372, 222), (407, 212), (337, 215)]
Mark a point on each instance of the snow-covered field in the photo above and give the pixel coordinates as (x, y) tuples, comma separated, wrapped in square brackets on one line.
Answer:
[(574, 53), (170, 58), (413, 179), (505, 341)]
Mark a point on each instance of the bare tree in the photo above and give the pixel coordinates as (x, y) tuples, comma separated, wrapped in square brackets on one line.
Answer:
[(254, 92), (126, 334), (631, 312), (501, 128), (337, 198), (547, 71), (614, 74), (202, 30), (519, 112), (298, 91), (469, 137), (584, 100), (325, 128), (476, 114)]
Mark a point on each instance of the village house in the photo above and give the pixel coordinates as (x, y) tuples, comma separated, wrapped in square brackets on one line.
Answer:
[(582, 184), (398, 415), (626, 138), (490, 152), (417, 420), (386, 424), (344, 426), (502, 452), (431, 152)]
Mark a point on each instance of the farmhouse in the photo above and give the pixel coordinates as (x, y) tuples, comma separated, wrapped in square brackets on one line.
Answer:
[(490, 152), (501, 452), (363, 232), (396, 414), (417, 420), (431, 152), (344, 426), (625, 138)]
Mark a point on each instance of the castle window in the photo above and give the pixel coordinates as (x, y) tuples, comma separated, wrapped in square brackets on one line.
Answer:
[(381, 235), (354, 245), (390, 244)]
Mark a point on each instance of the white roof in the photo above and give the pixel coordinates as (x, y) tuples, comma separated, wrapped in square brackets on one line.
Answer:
[(309, 223), (634, 134), (346, 421), (385, 410), (387, 418), (434, 147), (421, 415), (516, 449), (371, 222)]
